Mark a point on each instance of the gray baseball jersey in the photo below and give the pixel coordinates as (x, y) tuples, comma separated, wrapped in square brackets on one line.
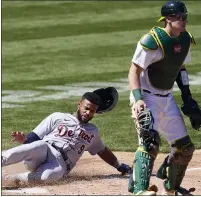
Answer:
[(66, 132), (45, 162)]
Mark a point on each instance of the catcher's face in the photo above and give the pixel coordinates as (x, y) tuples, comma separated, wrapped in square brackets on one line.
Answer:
[(177, 22), (86, 110)]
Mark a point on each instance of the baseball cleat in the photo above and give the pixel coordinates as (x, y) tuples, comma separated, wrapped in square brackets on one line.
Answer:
[(180, 192), (3, 161), (184, 192), (8, 181), (145, 193)]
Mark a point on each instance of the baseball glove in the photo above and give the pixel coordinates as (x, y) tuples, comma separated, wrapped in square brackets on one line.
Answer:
[(108, 99), (193, 111)]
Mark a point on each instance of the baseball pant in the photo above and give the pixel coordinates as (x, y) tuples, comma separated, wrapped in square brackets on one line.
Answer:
[(44, 161), (168, 120)]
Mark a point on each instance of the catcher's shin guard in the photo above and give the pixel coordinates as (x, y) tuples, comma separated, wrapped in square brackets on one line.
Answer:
[(142, 169), (175, 164)]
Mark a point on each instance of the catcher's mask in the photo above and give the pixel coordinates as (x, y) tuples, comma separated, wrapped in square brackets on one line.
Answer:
[(144, 121), (173, 8), (108, 99)]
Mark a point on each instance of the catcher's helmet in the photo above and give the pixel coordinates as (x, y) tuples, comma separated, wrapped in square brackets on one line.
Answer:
[(108, 99), (173, 8)]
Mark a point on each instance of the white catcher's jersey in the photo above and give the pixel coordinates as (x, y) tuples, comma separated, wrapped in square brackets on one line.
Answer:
[(164, 109), (66, 132), (144, 58)]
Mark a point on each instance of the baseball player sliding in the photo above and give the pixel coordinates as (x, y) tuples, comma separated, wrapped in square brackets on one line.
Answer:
[(157, 63), (52, 149)]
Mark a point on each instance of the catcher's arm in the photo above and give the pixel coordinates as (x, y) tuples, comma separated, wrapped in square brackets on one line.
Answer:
[(111, 159), (189, 107)]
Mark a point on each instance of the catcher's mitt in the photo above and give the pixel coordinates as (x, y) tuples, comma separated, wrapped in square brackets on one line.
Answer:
[(108, 99), (193, 111)]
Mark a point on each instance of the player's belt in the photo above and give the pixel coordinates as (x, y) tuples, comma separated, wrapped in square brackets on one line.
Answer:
[(161, 95), (65, 157)]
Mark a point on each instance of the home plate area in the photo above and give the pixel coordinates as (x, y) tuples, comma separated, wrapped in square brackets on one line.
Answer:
[(92, 176), (21, 191)]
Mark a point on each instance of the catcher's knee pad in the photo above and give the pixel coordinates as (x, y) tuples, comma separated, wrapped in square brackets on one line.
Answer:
[(142, 169), (181, 151)]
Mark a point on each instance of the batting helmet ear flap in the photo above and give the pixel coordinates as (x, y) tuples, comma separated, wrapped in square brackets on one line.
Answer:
[(108, 99)]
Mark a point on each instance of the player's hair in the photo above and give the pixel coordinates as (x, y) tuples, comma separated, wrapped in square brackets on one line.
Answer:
[(92, 97)]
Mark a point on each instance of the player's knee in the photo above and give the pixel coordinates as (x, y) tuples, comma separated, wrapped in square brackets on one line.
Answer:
[(186, 154), (182, 151), (29, 166)]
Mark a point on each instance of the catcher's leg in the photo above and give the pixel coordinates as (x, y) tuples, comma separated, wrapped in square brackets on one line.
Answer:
[(142, 169), (174, 167), (144, 156)]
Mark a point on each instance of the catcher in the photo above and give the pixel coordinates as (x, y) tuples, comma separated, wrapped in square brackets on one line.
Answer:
[(158, 62), (52, 149)]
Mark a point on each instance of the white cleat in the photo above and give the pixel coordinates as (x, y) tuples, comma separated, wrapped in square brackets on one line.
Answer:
[(9, 181), (152, 190), (146, 193)]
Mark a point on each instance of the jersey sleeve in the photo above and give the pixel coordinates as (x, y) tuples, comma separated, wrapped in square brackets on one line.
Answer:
[(188, 57), (143, 57), (45, 126), (97, 145)]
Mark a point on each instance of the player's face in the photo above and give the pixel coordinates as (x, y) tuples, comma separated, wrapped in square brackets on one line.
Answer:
[(86, 110), (178, 22)]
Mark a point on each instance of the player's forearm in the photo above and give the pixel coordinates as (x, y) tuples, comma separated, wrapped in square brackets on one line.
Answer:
[(109, 158), (183, 84), (134, 81), (134, 77), (31, 137)]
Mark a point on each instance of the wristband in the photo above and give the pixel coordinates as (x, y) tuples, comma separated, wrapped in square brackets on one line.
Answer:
[(31, 137), (117, 164), (137, 94)]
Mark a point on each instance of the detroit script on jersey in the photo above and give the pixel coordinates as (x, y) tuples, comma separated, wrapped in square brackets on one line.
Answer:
[(66, 132)]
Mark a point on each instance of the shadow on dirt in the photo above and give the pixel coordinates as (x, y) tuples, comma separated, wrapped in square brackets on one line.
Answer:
[(69, 179)]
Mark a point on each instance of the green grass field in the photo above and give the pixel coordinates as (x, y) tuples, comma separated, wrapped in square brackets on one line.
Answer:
[(53, 49)]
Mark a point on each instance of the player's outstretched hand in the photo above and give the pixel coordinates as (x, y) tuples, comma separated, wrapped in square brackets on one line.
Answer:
[(124, 169), (138, 107), (18, 136)]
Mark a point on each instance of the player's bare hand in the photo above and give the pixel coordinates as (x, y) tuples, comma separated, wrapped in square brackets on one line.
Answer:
[(18, 136), (138, 107)]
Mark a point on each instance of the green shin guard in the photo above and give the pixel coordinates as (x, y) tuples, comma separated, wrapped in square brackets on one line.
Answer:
[(162, 173), (173, 173), (176, 174), (142, 169), (131, 184)]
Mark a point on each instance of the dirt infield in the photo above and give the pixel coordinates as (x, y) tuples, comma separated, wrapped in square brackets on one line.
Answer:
[(92, 176)]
